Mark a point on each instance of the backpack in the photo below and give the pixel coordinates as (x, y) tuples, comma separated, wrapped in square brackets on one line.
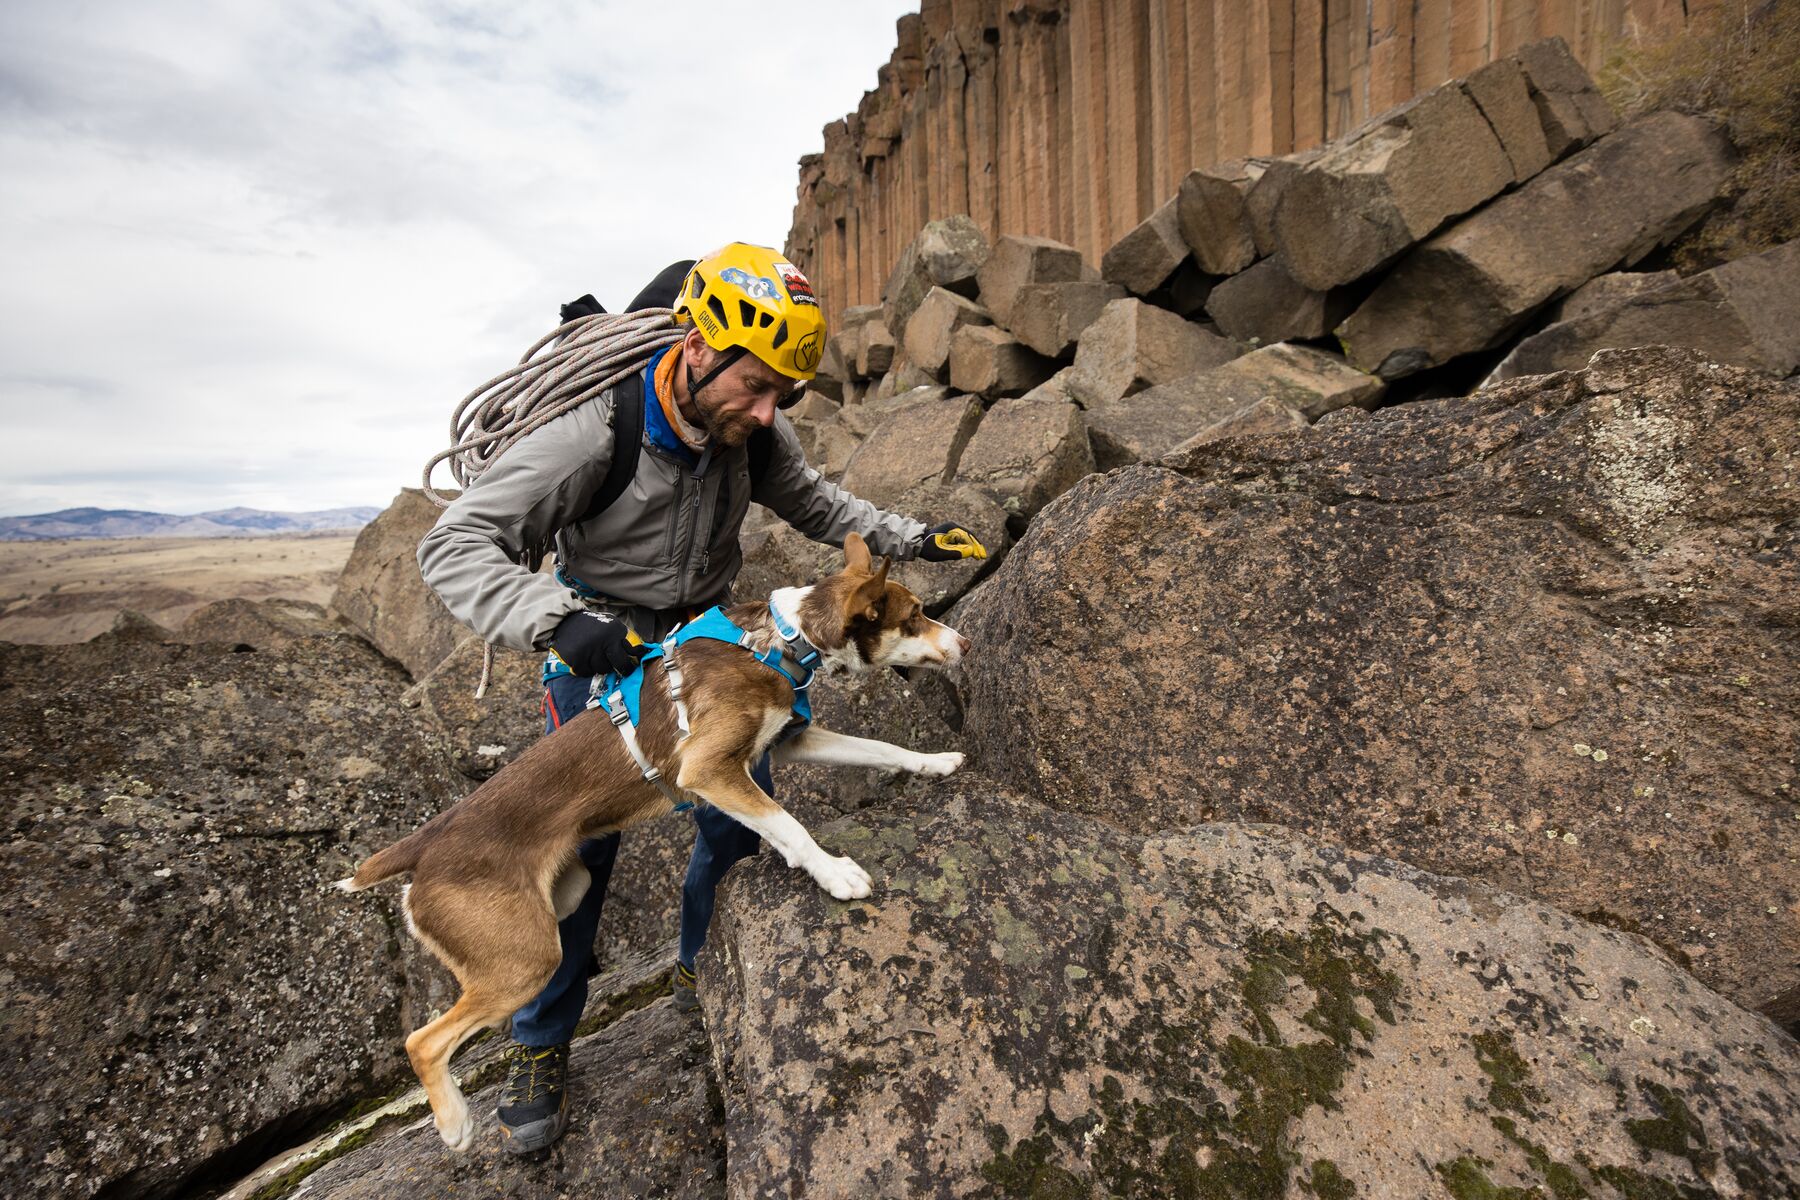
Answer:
[(628, 403)]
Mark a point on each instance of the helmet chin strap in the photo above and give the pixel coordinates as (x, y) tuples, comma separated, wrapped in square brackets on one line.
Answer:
[(726, 359)]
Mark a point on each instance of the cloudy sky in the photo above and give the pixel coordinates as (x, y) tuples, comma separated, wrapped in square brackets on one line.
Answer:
[(255, 252)]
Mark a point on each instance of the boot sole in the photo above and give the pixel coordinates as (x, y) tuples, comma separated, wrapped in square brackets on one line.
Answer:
[(535, 1135)]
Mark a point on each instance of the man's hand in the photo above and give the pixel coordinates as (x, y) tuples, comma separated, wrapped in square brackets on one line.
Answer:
[(594, 643), (948, 542)]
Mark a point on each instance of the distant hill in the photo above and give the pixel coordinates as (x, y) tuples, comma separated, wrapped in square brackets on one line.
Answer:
[(130, 523)]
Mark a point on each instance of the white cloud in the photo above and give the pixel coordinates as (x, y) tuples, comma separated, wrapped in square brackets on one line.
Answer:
[(257, 252)]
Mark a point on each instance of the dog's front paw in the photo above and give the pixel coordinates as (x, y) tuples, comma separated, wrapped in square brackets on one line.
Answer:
[(843, 877), (939, 764)]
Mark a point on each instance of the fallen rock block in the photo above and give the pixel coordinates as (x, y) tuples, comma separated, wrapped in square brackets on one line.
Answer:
[(1571, 108), (1504, 98), (1745, 313), (985, 360), (1027, 452), (875, 351), (1365, 199), (933, 328), (902, 377), (1264, 196), (1265, 305), (919, 442), (1466, 288), (946, 254), (1247, 1010), (1614, 287), (1018, 262), (1051, 317), (1133, 345), (1150, 424), (1267, 415), (1142, 260), (1212, 217)]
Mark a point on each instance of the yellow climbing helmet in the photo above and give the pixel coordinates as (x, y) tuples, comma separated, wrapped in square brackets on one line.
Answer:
[(751, 298)]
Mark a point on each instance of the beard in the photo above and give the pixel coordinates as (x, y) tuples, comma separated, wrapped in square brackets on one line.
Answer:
[(727, 429)]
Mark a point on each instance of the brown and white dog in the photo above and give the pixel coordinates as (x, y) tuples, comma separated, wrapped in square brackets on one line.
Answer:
[(493, 874)]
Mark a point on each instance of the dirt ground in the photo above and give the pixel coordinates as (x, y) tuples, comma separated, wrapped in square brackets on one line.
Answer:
[(70, 590)]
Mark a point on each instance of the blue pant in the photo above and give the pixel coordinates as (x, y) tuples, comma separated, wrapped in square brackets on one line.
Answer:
[(550, 1018)]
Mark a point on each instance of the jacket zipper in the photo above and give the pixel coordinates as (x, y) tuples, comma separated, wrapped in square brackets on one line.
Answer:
[(694, 513)]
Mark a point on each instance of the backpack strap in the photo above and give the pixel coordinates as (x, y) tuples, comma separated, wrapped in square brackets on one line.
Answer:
[(628, 437)]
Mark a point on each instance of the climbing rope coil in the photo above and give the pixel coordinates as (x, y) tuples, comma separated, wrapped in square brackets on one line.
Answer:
[(564, 369)]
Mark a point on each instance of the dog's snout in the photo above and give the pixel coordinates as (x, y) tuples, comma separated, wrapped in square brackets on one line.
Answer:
[(963, 645)]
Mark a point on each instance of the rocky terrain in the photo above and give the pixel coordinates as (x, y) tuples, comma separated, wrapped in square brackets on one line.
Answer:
[(1382, 728)]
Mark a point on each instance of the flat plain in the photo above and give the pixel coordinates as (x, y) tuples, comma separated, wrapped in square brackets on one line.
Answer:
[(70, 590)]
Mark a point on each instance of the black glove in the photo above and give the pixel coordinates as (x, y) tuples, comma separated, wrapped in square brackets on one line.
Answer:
[(949, 542), (594, 643)]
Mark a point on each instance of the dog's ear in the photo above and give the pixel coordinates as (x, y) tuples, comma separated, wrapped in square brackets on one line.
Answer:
[(856, 555), (865, 599)]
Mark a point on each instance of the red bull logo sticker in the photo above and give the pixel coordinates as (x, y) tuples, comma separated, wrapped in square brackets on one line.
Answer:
[(796, 283)]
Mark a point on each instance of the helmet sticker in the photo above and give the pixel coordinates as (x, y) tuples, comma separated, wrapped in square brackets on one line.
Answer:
[(759, 287), (806, 350), (797, 286)]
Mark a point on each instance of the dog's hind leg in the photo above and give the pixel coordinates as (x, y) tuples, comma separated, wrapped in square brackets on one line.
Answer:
[(430, 1048), (503, 949)]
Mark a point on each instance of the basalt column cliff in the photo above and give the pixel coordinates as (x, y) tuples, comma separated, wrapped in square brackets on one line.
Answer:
[(1073, 119)]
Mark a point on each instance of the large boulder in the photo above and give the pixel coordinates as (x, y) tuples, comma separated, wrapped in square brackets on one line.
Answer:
[(1383, 188), (1027, 452), (1571, 108), (1468, 287), (1746, 313), (1500, 91), (1212, 217), (1267, 415), (918, 442), (1540, 637), (1151, 423), (1133, 345), (1051, 317), (1018, 262), (946, 254), (1142, 260), (985, 360), (1265, 304), (931, 332), (1038, 1004), (182, 990), (382, 595)]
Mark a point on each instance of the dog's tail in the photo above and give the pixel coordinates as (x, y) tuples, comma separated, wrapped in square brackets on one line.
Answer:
[(383, 865)]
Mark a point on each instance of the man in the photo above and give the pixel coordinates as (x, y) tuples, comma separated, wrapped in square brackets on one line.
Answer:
[(664, 551)]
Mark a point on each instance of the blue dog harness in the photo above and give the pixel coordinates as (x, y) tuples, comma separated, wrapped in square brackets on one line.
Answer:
[(793, 657)]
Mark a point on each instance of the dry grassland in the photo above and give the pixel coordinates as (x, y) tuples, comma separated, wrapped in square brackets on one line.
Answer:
[(68, 591)]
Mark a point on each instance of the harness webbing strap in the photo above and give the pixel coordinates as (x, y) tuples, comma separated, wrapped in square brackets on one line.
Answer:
[(794, 657), (621, 719)]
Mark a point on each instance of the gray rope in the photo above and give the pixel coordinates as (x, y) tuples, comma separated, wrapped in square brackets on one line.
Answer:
[(566, 368)]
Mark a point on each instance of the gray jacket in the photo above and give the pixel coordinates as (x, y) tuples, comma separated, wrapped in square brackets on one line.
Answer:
[(669, 542)]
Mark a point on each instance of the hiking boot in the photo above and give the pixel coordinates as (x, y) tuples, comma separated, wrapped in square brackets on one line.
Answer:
[(686, 998), (534, 1105)]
